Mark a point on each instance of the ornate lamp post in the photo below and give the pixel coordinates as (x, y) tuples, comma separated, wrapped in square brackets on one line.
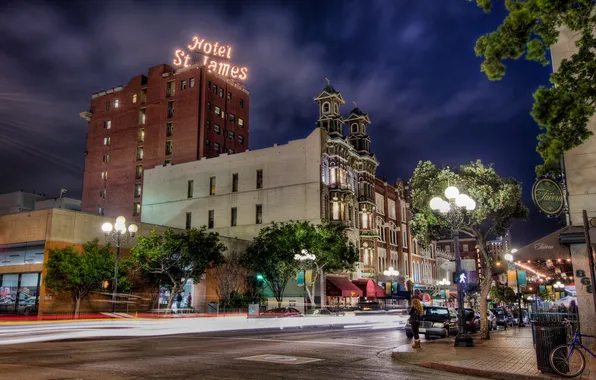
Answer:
[(117, 233), (509, 258), (455, 209), (303, 258)]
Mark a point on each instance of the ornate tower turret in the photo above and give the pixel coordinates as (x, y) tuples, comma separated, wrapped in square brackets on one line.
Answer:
[(329, 101), (357, 123)]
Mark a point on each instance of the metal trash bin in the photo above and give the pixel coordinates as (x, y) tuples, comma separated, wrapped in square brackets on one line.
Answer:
[(547, 336)]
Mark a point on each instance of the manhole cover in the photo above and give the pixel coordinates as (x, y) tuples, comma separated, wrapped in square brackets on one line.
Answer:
[(280, 359)]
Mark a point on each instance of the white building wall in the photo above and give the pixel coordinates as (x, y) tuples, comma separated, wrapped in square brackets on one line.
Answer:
[(291, 188)]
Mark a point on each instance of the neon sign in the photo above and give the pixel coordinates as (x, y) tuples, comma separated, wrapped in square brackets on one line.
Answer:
[(210, 51)]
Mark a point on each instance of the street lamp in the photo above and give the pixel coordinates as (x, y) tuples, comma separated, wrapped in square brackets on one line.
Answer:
[(455, 209), (509, 258), (117, 234), (391, 272), (303, 257), (558, 285)]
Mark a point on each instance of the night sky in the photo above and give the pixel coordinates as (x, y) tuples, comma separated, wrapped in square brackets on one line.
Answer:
[(409, 64)]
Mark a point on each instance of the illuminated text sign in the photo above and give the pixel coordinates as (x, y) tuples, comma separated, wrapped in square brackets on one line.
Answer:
[(213, 54)]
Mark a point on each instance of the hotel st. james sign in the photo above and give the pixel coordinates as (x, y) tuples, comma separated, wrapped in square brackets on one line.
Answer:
[(214, 58), (548, 196)]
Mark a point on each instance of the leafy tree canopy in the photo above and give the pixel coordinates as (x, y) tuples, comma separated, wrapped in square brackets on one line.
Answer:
[(529, 29), (79, 273), (177, 257)]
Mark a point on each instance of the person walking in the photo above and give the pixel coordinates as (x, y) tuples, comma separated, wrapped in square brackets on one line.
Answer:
[(189, 300), (178, 300), (415, 312)]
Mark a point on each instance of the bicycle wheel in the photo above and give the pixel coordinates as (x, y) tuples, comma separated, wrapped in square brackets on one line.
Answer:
[(567, 367)]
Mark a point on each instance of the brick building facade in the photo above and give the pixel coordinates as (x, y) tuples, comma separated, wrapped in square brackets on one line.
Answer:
[(170, 116)]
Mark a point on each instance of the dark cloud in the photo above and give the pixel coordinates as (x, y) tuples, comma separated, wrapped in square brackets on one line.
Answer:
[(410, 65)]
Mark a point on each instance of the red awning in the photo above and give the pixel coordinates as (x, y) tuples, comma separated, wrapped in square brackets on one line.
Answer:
[(370, 289), (341, 287)]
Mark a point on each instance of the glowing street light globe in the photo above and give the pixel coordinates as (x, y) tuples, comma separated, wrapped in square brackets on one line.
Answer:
[(462, 200), (120, 220), (436, 203), (471, 205), (444, 207), (106, 227), (509, 257), (451, 192)]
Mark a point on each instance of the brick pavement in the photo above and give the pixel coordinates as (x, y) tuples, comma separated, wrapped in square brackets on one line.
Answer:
[(507, 355)]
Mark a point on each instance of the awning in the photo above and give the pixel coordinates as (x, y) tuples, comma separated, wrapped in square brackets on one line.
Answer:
[(341, 287), (370, 289), (546, 248)]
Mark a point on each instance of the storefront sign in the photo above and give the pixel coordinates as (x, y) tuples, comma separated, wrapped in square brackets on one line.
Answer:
[(213, 54), (548, 196)]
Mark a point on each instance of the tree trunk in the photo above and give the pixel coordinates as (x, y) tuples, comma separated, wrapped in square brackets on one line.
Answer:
[(322, 288), (484, 290), (77, 306), (173, 294)]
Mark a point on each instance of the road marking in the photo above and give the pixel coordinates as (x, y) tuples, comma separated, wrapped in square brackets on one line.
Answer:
[(292, 360), (301, 341)]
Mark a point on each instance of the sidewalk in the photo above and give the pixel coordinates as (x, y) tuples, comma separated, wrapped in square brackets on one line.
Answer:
[(507, 355)]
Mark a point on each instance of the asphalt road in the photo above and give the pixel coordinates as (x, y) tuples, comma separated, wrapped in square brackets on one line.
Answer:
[(339, 354)]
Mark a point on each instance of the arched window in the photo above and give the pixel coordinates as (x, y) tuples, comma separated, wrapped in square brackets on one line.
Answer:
[(354, 128), (336, 108), (326, 107)]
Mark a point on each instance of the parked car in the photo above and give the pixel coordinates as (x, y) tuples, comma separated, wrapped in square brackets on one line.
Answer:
[(322, 313), (282, 312), (436, 321), (368, 305), (525, 317), (472, 320), (504, 317), (492, 320)]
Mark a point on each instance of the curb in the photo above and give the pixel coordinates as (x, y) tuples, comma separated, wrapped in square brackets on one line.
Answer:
[(472, 371)]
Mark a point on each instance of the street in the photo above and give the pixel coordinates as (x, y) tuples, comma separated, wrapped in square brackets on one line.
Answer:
[(338, 353)]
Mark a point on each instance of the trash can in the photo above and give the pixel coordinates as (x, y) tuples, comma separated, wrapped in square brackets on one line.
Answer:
[(547, 336)]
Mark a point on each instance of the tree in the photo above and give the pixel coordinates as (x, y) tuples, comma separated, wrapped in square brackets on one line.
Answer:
[(79, 273), (230, 277), (498, 203), (141, 280), (179, 257), (565, 108), (502, 294), (271, 254)]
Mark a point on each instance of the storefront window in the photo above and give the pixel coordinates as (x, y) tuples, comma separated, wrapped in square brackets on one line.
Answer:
[(27, 293), (21, 254), (8, 293)]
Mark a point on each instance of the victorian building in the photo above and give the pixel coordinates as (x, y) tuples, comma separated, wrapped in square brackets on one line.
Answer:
[(329, 175)]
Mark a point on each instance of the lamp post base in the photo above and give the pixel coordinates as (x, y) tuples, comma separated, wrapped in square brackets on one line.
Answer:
[(464, 340)]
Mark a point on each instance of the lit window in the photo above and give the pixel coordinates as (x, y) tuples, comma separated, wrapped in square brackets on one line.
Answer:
[(229, 96), (139, 171), (137, 190), (215, 89), (183, 85), (141, 135), (221, 92), (102, 193), (212, 186), (104, 175), (106, 141), (192, 82), (465, 248), (107, 124), (116, 103), (142, 116), (140, 152), (136, 209), (106, 158), (241, 122), (134, 98), (100, 211), (217, 111)]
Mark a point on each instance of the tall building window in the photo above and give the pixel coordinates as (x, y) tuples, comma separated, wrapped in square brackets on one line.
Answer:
[(241, 103), (215, 89), (116, 103), (104, 176), (259, 214), (143, 95), (100, 211), (107, 104), (216, 147), (232, 118), (241, 122), (188, 220), (102, 193), (170, 88), (140, 153), (192, 82), (217, 129), (134, 98), (235, 183), (170, 109), (229, 96), (231, 135), (221, 92), (230, 151), (259, 179), (208, 145), (190, 189), (106, 158), (212, 186), (169, 129), (209, 85), (142, 116), (465, 248), (208, 124), (137, 190), (211, 219), (403, 213), (141, 135), (217, 111), (139, 171), (107, 124), (404, 236), (136, 208), (167, 162), (209, 106), (183, 85), (106, 141), (168, 147), (241, 139), (234, 216)]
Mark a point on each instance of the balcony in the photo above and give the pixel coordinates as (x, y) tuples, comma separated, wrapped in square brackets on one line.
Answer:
[(343, 187), (87, 115), (344, 223)]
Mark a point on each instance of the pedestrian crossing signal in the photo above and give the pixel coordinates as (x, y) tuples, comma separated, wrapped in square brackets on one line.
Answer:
[(105, 284)]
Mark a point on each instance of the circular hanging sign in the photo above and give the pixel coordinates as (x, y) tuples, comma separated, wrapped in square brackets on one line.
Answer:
[(548, 196)]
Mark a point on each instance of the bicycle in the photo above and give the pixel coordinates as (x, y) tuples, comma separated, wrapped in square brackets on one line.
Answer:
[(567, 360)]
